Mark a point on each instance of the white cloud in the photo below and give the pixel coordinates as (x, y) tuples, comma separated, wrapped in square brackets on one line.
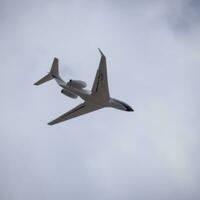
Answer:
[(148, 154)]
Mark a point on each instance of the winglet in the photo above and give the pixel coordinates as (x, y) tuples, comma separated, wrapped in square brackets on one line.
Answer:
[(101, 52)]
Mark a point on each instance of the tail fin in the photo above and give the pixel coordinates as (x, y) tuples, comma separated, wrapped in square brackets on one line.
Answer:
[(54, 69), (54, 73)]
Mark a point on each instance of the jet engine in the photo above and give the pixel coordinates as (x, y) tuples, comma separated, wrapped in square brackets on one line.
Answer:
[(68, 93), (77, 84)]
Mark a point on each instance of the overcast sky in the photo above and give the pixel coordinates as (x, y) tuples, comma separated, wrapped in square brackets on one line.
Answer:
[(153, 58)]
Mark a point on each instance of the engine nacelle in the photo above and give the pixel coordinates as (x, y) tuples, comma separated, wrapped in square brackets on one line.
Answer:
[(77, 84), (68, 93)]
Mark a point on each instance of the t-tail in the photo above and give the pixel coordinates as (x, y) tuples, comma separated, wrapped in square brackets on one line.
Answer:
[(54, 73)]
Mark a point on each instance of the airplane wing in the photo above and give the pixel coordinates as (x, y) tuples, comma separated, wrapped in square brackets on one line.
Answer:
[(75, 112), (100, 85)]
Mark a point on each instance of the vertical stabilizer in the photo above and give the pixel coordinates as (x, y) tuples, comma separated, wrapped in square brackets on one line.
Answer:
[(54, 68)]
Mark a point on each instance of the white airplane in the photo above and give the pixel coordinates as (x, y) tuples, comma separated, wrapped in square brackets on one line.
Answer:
[(95, 99)]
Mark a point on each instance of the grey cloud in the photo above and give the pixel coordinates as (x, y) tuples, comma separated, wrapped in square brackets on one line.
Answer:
[(184, 15)]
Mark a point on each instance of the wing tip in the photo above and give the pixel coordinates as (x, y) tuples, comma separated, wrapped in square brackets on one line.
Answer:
[(37, 83), (50, 123), (101, 52), (55, 58)]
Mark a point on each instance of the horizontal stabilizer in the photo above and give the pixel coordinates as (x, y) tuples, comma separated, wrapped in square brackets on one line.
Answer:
[(46, 78)]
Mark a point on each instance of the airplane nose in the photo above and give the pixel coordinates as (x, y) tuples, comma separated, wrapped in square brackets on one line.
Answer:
[(127, 107), (121, 105), (130, 109)]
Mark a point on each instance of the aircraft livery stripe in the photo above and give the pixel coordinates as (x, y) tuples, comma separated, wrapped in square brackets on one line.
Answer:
[(98, 81)]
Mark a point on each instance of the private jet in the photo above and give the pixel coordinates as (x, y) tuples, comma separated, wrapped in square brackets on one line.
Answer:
[(95, 99)]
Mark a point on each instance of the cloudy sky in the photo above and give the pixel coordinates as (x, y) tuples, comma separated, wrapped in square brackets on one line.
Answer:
[(153, 58)]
